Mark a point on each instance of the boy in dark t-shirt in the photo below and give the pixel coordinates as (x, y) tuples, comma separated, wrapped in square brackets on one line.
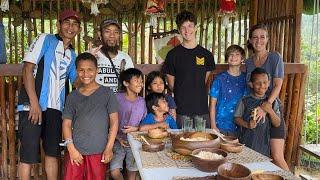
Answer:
[(88, 114), (188, 67), (255, 134)]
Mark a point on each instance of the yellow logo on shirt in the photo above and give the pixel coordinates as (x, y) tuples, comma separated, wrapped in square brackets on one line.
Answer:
[(200, 61)]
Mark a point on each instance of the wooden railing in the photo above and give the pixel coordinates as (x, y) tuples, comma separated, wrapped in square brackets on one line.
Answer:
[(292, 96)]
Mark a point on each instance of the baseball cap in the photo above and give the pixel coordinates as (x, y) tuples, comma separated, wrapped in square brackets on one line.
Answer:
[(108, 22), (68, 13)]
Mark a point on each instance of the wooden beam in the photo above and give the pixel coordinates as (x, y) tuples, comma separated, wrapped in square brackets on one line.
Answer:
[(254, 12), (289, 68), (297, 30)]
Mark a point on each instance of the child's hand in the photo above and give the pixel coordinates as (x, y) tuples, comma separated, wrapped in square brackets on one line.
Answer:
[(75, 157), (267, 107), (92, 50), (163, 125), (124, 143), (128, 129), (258, 114), (215, 128), (107, 156), (252, 124)]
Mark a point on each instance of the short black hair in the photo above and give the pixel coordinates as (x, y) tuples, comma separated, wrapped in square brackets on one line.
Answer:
[(86, 57), (234, 48), (128, 74), (151, 76), (152, 99), (256, 71), (184, 16)]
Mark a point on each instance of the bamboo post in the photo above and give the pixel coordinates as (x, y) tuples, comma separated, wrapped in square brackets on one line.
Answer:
[(254, 12), (214, 23), (202, 22), (219, 39), (135, 36), (150, 45), (12, 139), (207, 24), (42, 17), (172, 15), (35, 28), (4, 145), (143, 39)]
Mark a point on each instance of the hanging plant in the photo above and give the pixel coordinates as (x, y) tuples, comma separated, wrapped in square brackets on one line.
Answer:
[(155, 9), (227, 10), (122, 6), (94, 5)]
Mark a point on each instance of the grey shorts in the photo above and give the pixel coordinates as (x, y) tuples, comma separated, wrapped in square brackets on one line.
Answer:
[(119, 153)]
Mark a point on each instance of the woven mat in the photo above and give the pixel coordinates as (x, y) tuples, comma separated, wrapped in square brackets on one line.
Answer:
[(285, 174), (168, 158), (246, 156), (194, 178), (164, 159)]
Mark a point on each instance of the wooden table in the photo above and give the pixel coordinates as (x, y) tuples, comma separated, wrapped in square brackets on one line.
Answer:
[(167, 173)]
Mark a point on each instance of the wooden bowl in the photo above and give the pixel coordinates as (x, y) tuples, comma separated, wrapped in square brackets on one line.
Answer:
[(233, 171), (232, 147), (230, 139), (155, 146), (188, 146), (207, 165), (266, 176), (157, 133)]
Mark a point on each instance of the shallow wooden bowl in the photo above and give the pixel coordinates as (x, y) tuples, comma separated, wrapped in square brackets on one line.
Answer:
[(232, 147), (205, 164), (155, 146), (230, 139), (188, 146), (157, 133), (233, 171), (266, 176)]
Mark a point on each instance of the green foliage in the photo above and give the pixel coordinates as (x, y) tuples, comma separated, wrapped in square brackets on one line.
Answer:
[(310, 54)]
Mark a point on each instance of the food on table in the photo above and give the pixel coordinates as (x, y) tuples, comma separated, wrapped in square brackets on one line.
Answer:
[(157, 133), (209, 155), (195, 139)]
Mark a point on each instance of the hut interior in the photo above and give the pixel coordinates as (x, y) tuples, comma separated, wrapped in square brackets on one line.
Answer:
[(26, 19)]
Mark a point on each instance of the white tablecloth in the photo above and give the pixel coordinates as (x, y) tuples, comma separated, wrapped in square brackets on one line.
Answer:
[(169, 173)]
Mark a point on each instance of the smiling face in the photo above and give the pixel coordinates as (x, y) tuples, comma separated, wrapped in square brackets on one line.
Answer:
[(260, 84), (111, 35), (135, 84), (235, 58), (162, 106), (188, 31), (259, 40), (157, 85), (87, 72), (68, 28)]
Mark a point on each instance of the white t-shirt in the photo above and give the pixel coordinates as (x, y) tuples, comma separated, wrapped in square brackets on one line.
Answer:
[(106, 76)]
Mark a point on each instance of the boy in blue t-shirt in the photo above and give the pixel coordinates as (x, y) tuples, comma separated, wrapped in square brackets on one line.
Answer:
[(226, 90), (157, 116)]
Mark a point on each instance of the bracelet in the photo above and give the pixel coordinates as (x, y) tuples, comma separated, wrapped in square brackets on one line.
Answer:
[(66, 142)]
